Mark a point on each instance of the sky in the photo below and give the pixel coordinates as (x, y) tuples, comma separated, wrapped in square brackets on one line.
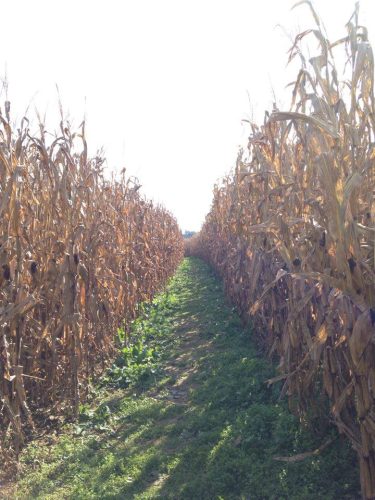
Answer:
[(164, 84)]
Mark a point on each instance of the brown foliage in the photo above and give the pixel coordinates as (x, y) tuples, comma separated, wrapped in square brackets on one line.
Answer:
[(191, 245), (78, 253), (292, 233)]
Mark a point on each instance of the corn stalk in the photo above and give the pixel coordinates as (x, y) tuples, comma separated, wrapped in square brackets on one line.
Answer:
[(292, 232)]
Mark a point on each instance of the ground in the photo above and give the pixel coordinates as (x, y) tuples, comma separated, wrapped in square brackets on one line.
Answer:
[(186, 413)]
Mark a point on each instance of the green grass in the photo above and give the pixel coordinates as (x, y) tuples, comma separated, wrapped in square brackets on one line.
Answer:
[(190, 418)]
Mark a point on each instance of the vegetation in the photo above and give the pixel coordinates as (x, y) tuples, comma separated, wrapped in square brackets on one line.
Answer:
[(200, 423), (190, 408), (292, 234), (188, 234), (78, 253)]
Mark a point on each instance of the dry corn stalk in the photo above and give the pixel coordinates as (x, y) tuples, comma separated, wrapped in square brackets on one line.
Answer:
[(78, 253), (292, 232)]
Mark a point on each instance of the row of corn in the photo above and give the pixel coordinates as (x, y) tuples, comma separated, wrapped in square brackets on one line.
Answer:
[(292, 232), (78, 254)]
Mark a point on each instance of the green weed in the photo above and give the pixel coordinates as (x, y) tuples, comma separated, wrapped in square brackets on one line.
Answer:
[(206, 427)]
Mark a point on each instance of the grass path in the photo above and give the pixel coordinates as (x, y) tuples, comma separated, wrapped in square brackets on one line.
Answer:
[(196, 420)]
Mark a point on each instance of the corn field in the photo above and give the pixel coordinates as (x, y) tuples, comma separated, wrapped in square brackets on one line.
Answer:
[(292, 233), (78, 253)]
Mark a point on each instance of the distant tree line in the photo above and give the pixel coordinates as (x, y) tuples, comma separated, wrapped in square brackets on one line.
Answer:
[(188, 234)]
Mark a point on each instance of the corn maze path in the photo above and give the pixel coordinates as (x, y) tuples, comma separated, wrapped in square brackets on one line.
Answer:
[(201, 424)]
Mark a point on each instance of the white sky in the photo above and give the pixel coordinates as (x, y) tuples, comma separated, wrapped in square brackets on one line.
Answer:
[(164, 83)]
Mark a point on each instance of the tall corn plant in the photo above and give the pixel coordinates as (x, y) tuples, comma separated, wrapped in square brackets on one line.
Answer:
[(78, 253), (292, 232)]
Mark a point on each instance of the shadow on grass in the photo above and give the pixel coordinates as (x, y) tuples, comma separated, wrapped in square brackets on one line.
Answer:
[(214, 435)]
